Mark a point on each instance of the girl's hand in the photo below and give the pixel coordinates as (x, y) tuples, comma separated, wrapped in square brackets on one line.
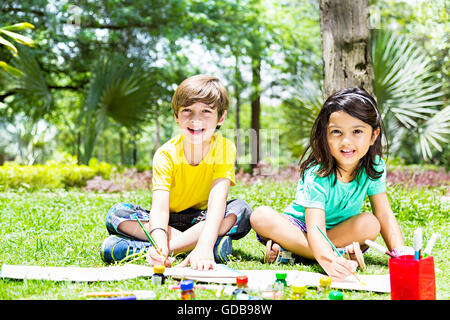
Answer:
[(154, 258), (340, 268)]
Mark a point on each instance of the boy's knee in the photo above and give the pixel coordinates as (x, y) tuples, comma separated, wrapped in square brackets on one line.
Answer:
[(241, 210), (114, 207), (119, 208), (243, 205)]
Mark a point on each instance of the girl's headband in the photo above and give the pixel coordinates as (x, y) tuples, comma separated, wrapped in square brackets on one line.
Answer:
[(365, 99)]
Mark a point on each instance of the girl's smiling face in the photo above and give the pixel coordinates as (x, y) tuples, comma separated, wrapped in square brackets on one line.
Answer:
[(349, 139), (198, 122)]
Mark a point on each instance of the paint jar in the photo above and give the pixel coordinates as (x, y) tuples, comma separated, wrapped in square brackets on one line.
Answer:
[(241, 282), (324, 284), (158, 275), (298, 291), (336, 295), (412, 279), (280, 281), (187, 290)]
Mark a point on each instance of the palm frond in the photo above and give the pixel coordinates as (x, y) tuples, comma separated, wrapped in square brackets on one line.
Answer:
[(407, 90), (33, 79), (435, 132), (403, 78), (119, 89)]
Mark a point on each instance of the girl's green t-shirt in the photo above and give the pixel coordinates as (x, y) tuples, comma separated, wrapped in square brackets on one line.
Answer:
[(340, 201)]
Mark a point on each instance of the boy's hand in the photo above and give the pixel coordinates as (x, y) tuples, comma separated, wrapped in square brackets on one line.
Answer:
[(340, 268), (154, 258), (199, 260)]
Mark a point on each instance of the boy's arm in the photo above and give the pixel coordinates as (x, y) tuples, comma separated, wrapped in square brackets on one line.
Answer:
[(390, 230), (336, 267), (159, 218), (202, 257)]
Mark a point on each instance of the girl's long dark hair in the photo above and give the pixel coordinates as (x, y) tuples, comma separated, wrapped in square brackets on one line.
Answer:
[(358, 103)]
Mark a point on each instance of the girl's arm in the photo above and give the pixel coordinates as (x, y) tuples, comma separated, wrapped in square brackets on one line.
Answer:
[(390, 230), (336, 267)]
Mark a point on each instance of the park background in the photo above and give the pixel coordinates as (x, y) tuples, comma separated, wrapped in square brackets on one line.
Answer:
[(85, 91)]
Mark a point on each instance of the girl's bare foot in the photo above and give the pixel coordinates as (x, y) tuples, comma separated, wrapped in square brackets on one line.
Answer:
[(355, 253), (272, 252)]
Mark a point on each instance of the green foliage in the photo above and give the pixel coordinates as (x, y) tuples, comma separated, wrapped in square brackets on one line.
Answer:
[(8, 33), (118, 89), (52, 175), (282, 35), (409, 95), (427, 23)]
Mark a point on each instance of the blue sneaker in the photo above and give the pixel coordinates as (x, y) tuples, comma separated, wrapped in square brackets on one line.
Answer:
[(222, 249), (116, 248)]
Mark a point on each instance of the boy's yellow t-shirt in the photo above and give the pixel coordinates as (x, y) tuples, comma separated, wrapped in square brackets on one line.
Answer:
[(188, 185)]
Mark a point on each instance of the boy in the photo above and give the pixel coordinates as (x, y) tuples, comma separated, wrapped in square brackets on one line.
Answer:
[(192, 174)]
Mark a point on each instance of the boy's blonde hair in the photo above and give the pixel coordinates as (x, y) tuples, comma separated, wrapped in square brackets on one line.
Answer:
[(201, 88)]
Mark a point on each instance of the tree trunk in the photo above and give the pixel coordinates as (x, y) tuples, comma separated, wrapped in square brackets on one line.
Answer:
[(346, 51), (256, 110)]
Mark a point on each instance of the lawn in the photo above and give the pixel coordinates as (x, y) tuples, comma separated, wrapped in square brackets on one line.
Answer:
[(66, 228)]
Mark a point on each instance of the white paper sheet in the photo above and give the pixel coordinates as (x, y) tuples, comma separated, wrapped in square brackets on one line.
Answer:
[(113, 273), (257, 279)]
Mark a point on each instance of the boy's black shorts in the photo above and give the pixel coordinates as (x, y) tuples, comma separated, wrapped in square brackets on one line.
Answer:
[(181, 220)]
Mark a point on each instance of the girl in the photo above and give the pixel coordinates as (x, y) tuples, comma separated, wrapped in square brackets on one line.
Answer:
[(344, 166)]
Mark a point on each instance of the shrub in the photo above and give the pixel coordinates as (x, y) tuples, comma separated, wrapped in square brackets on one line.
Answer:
[(51, 175)]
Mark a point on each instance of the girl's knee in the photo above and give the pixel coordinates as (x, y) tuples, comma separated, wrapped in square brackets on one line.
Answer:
[(260, 216), (369, 225)]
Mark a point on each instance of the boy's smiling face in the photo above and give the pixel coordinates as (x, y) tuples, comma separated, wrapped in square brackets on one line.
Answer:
[(198, 122)]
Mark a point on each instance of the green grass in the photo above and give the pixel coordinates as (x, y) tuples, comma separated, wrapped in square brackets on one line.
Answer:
[(66, 228)]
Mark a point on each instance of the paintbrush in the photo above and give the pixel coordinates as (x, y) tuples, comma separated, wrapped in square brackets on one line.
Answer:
[(418, 242), (379, 248), (338, 253), (430, 245), (150, 239)]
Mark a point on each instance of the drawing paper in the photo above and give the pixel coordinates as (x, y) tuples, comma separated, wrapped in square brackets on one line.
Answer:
[(257, 279)]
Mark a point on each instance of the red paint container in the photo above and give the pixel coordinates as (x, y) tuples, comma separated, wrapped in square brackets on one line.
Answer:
[(412, 279)]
